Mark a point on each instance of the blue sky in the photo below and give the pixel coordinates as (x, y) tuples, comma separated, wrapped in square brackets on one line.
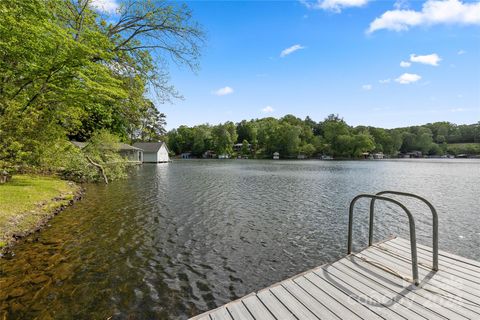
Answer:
[(348, 61)]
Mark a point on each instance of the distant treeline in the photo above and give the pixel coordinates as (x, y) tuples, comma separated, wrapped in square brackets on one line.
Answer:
[(291, 136)]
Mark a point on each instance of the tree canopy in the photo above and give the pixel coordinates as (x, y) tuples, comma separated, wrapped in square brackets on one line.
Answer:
[(292, 136), (69, 72)]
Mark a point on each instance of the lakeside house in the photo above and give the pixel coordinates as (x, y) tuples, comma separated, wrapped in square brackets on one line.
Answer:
[(378, 155), (276, 156), (186, 155), (237, 147), (209, 154), (153, 152), (373, 156), (131, 153), (413, 154)]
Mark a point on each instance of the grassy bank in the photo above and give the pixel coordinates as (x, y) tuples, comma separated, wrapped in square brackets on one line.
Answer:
[(28, 201)]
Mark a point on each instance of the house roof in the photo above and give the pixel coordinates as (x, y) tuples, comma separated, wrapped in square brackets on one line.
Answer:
[(121, 146), (149, 146), (124, 147)]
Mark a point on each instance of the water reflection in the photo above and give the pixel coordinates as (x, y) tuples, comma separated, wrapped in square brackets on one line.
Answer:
[(177, 239)]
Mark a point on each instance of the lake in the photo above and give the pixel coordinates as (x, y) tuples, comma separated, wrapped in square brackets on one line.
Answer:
[(177, 239)]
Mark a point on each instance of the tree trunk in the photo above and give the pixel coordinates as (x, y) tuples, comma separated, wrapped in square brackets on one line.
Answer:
[(100, 168)]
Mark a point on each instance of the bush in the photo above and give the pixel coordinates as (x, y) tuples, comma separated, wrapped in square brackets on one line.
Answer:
[(464, 148), (84, 165)]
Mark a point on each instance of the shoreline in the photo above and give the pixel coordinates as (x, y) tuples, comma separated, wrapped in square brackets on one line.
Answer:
[(21, 224)]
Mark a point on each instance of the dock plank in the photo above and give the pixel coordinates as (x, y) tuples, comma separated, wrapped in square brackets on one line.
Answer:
[(370, 284), (334, 305), (220, 314), (358, 292), (308, 301), (275, 306), (238, 311), (399, 303), (257, 309), (441, 253), (453, 291), (401, 287), (448, 262), (295, 307), (335, 292), (440, 278), (425, 261)]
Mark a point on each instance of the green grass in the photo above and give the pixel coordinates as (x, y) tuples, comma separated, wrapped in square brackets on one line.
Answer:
[(27, 199)]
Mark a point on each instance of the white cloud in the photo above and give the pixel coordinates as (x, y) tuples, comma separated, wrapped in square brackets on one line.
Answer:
[(433, 12), (108, 6), (367, 87), (401, 4), (460, 52), (431, 59), (268, 109), (223, 91), (384, 81), (290, 50), (408, 78), (333, 5), (405, 64)]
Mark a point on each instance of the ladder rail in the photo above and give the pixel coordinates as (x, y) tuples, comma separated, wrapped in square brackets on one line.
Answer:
[(411, 222), (434, 224)]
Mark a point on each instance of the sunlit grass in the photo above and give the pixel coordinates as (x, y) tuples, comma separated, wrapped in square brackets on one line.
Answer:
[(27, 199)]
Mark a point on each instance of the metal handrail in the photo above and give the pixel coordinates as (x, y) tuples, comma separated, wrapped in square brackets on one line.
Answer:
[(434, 225), (411, 221)]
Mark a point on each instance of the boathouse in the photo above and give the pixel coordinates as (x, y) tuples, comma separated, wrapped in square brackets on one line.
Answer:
[(276, 156), (153, 152)]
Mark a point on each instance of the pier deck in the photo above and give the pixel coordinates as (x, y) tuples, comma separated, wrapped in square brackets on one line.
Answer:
[(372, 284)]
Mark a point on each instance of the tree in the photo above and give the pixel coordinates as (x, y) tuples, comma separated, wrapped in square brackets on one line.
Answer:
[(151, 124), (307, 149), (245, 147), (252, 133), (224, 136), (201, 139), (362, 142), (288, 139), (336, 136), (290, 136), (74, 72)]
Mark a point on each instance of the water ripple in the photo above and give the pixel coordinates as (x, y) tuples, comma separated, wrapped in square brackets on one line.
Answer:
[(177, 239)]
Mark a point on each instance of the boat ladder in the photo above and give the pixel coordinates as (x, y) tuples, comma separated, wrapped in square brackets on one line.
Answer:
[(413, 239)]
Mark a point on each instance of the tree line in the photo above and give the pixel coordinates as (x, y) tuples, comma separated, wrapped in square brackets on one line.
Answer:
[(292, 136), (71, 72)]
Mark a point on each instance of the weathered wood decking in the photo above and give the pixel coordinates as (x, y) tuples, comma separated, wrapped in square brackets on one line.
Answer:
[(371, 284)]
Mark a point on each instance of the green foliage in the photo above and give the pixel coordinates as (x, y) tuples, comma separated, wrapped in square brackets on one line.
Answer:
[(245, 148), (291, 136), (463, 148), (67, 73)]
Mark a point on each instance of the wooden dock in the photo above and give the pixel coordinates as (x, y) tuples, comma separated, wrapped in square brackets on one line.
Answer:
[(372, 284)]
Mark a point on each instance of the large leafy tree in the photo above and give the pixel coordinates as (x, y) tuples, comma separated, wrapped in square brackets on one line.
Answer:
[(68, 71)]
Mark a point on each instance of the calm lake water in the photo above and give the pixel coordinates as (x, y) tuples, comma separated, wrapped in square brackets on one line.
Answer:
[(177, 239)]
